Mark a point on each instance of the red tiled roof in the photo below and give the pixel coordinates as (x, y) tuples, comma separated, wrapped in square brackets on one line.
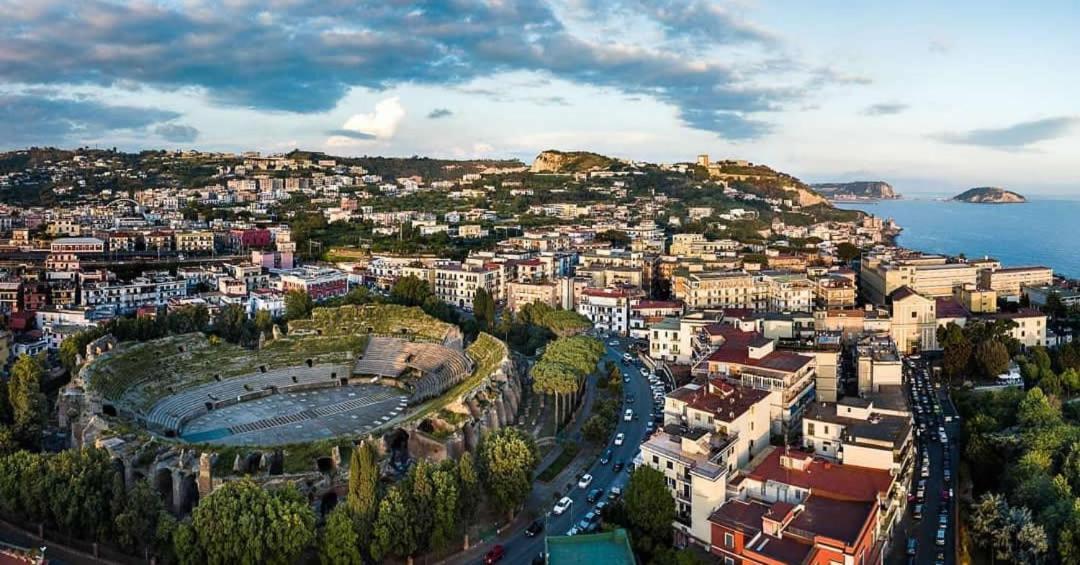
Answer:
[(646, 304), (840, 520), (948, 307), (838, 482)]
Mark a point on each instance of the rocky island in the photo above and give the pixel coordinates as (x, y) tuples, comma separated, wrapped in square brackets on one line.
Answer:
[(859, 190), (989, 195)]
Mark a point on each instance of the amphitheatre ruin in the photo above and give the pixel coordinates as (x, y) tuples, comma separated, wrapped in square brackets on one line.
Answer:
[(192, 411)]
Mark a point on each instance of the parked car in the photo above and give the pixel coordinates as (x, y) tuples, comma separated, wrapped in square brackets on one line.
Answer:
[(562, 505), (940, 538), (620, 438), (918, 512), (535, 528), (494, 555), (628, 415), (614, 493), (594, 495), (605, 458), (585, 481), (619, 465), (912, 546)]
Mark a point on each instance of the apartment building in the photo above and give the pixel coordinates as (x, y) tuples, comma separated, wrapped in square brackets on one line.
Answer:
[(1030, 328), (319, 283), (788, 292), (914, 321), (793, 507), (851, 324), (519, 294), (751, 359), (77, 245), (456, 283), (153, 289), (695, 245), (873, 432), (1009, 282), (929, 275), (834, 292), (711, 429), (645, 313), (194, 242), (607, 309), (975, 299), (720, 290), (877, 363)]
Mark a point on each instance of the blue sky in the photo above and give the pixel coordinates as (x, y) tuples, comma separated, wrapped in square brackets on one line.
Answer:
[(930, 96)]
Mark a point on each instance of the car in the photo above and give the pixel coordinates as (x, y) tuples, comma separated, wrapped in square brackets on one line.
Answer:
[(605, 458), (613, 343), (588, 521), (918, 512), (628, 415), (627, 358), (920, 494), (618, 466), (625, 378), (614, 493), (620, 438), (494, 555), (535, 528), (573, 531), (948, 475), (912, 546), (943, 520), (562, 505), (940, 537), (925, 472), (585, 481), (594, 495), (650, 427)]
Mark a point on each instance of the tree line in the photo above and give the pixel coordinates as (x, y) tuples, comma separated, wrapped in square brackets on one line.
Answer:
[(562, 370)]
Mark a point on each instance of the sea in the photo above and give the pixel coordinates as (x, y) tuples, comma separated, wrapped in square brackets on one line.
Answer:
[(1042, 231)]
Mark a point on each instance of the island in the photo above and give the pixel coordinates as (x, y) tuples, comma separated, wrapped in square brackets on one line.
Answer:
[(989, 195), (859, 190)]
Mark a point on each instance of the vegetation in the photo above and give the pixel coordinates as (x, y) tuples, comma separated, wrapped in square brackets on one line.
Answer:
[(562, 370), (506, 459), (979, 349)]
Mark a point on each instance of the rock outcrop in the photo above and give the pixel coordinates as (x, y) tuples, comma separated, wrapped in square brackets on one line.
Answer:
[(989, 195), (568, 162), (859, 190)]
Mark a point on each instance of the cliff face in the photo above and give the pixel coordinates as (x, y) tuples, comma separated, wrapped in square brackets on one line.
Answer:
[(552, 161), (876, 190), (989, 195)]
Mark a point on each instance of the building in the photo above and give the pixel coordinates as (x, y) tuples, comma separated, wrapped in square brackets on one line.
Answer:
[(914, 321), (319, 283), (645, 313), (519, 294), (719, 290), (877, 364), (1038, 296), (456, 284), (975, 299), (609, 548), (788, 292), (929, 275), (77, 245), (834, 292), (1009, 282), (194, 242), (1030, 328), (711, 428), (153, 289), (861, 432), (607, 309), (751, 359)]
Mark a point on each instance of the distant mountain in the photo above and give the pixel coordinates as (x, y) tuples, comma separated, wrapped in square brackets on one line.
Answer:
[(552, 161), (989, 195), (860, 190)]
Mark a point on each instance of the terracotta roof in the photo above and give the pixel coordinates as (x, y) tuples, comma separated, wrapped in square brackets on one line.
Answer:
[(840, 520), (739, 515), (902, 293), (948, 307), (823, 478), (645, 304), (726, 402)]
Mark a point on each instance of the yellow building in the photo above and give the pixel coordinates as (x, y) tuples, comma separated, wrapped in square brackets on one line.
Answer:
[(914, 321), (976, 300), (1009, 281), (929, 275)]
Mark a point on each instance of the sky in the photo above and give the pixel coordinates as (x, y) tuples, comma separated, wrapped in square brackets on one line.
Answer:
[(929, 96)]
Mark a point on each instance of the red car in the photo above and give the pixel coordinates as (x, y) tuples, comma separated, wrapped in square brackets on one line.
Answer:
[(494, 555)]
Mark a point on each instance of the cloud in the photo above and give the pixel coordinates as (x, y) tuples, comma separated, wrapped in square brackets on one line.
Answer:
[(1014, 137), (940, 46), (309, 53), (349, 134), (885, 109), (29, 119), (177, 133), (439, 113), (380, 124)]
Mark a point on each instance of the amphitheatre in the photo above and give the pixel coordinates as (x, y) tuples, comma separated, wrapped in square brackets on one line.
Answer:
[(352, 371)]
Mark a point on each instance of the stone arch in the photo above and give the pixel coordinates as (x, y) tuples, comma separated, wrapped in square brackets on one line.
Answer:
[(325, 464), (396, 443), (163, 483), (189, 494), (108, 410)]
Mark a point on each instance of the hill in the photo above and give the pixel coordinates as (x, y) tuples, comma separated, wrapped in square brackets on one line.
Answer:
[(859, 190), (989, 195), (552, 161)]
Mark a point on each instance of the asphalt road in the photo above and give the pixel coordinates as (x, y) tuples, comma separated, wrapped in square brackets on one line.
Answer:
[(521, 548), (934, 504)]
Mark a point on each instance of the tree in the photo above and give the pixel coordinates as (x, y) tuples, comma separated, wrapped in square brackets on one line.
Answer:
[(506, 461), (298, 305), (1036, 411), (992, 358), (446, 510), (28, 404), (469, 487), (650, 507), (264, 324), (484, 309), (418, 484), (394, 533), (241, 522), (339, 544), (137, 525), (956, 350), (617, 238), (363, 499), (410, 291), (848, 252)]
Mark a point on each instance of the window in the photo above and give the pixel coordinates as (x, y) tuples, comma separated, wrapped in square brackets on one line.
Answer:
[(809, 428), (655, 460), (914, 315), (729, 561), (729, 540), (669, 465)]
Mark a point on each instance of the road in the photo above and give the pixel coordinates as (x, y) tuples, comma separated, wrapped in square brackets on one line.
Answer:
[(521, 548), (925, 394)]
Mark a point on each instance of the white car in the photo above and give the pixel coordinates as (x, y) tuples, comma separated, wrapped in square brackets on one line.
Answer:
[(619, 438), (628, 415), (613, 343), (584, 481), (562, 505)]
